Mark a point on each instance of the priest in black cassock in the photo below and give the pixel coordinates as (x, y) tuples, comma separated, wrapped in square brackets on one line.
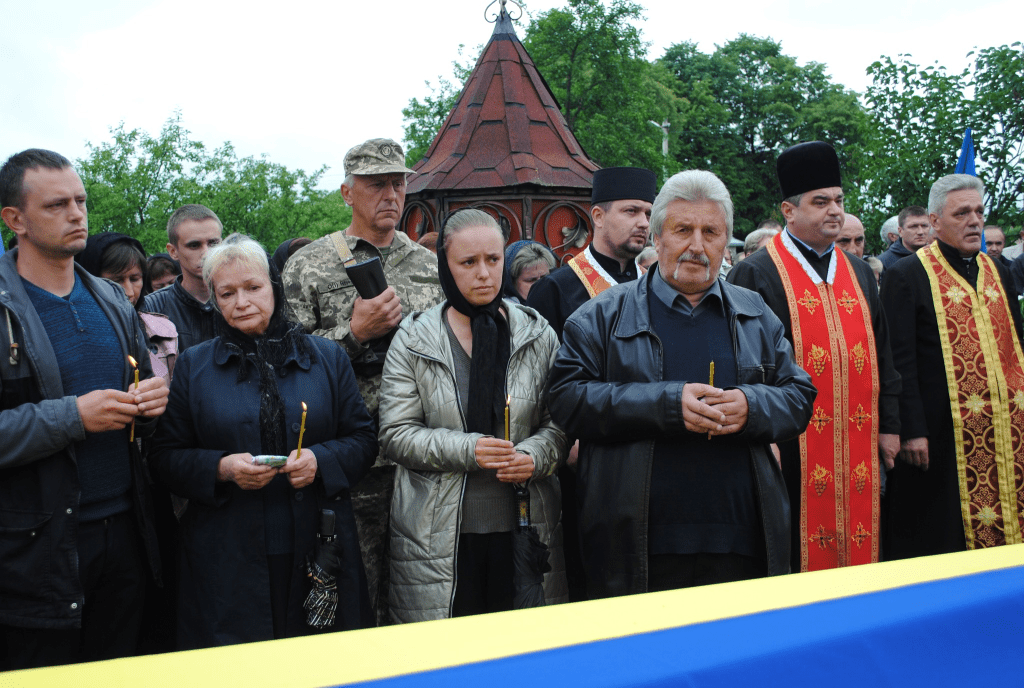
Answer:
[(956, 327), (621, 212), (828, 302)]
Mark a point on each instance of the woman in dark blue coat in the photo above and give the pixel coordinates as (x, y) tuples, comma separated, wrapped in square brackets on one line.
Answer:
[(248, 527)]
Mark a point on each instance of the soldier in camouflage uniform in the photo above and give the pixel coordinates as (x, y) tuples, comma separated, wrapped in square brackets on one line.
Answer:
[(324, 300)]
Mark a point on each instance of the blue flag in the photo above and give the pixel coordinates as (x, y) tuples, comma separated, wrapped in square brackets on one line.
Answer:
[(965, 165)]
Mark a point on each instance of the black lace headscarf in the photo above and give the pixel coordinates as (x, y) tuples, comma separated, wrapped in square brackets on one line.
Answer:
[(265, 354), (491, 338)]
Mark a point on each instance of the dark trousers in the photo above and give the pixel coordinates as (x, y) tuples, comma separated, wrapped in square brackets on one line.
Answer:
[(280, 568), (114, 581), (575, 574), (675, 571), (483, 582)]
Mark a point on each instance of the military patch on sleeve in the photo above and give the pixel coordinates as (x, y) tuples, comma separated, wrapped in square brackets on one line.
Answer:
[(333, 286)]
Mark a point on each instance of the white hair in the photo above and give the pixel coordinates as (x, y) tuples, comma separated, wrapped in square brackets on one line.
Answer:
[(237, 247), (890, 226), (756, 237), (647, 254), (692, 186), (951, 182)]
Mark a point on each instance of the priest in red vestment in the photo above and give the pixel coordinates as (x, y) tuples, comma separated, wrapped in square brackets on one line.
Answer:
[(828, 301)]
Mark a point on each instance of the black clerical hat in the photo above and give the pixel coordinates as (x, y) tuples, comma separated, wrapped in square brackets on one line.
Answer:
[(808, 166), (619, 183)]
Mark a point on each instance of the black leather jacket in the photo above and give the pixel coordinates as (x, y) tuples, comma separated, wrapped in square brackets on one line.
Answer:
[(194, 321), (606, 389)]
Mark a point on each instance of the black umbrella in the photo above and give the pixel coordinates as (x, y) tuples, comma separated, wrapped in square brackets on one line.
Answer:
[(529, 557), (323, 567)]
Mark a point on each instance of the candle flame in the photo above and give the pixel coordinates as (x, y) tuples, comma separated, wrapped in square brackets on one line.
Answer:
[(508, 400), (303, 407), (132, 361)]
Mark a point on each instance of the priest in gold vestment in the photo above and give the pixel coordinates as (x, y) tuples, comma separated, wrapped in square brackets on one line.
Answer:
[(956, 327)]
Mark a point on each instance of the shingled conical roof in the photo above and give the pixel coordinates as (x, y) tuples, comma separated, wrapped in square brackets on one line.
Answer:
[(506, 129)]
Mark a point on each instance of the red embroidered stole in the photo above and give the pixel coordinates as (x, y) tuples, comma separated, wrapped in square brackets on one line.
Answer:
[(594, 277), (985, 376), (834, 342)]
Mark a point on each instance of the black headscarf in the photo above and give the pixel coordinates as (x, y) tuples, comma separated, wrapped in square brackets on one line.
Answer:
[(265, 354), (492, 344)]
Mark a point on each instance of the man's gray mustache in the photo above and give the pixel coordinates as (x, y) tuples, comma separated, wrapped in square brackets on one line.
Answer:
[(692, 258)]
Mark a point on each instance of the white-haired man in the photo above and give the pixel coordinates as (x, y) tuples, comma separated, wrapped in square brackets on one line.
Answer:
[(758, 239), (677, 384), (829, 304), (956, 342)]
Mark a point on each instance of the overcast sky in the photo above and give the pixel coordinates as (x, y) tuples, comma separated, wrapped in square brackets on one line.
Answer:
[(302, 82)]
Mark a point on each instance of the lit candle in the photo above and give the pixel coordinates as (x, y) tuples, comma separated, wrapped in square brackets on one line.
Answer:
[(508, 434), (131, 437), (302, 430)]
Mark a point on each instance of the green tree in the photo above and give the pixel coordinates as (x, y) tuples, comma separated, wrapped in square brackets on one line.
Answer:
[(745, 104), (593, 57), (423, 119), (918, 115), (997, 78), (918, 118), (135, 181)]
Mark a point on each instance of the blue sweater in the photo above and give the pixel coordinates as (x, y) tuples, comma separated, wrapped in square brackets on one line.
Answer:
[(702, 492), (89, 357)]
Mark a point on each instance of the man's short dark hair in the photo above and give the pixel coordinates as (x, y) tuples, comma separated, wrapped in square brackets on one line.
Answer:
[(12, 174), (191, 211), (911, 211)]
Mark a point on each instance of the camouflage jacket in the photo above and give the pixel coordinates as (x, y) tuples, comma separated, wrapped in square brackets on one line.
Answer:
[(321, 296)]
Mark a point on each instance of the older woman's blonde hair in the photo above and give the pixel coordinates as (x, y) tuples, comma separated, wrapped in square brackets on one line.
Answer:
[(237, 247)]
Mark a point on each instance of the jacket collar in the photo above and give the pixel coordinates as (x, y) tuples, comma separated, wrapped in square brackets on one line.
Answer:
[(428, 338), (401, 245), (109, 297), (192, 302), (222, 353), (635, 314)]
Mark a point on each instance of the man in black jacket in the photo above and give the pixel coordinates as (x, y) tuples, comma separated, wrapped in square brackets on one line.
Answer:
[(191, 232), (676, 385), (73, 502), (915, 231)]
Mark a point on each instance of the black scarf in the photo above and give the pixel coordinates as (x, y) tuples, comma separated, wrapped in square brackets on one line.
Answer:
[(492, 344), (266, 354)]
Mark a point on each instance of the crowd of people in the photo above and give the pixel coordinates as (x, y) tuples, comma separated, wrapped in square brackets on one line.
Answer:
[(214, 445)]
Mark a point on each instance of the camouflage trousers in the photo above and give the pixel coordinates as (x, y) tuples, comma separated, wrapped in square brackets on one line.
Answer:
[(371, 504)]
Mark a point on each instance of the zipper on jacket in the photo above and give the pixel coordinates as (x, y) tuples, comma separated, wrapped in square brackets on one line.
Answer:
[(768, 545), (14, 353)]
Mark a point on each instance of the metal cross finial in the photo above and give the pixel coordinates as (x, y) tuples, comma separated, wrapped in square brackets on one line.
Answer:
[(492, 16)]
